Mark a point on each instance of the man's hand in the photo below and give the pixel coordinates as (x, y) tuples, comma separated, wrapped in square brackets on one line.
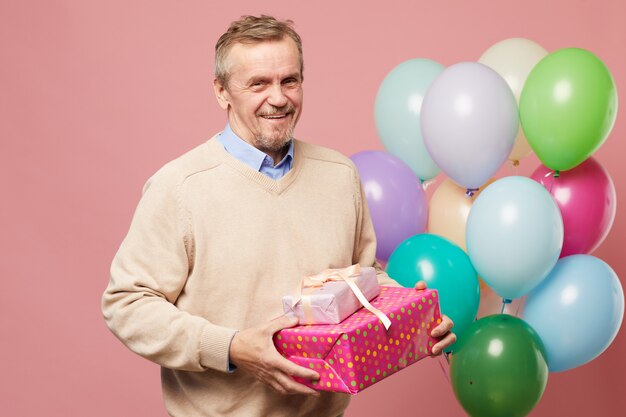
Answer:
[(252, 350), (443, 331)]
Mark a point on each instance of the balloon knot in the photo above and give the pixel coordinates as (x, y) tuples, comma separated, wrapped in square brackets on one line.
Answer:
[(427, 183), (515, 162), (507, 301), (470, 191), (557, 174)]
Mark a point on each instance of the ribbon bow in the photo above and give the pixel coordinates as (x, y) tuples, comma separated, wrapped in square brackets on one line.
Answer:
[(311, 282)]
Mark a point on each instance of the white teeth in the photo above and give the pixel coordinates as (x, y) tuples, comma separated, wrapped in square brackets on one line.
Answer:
[(274, 117)]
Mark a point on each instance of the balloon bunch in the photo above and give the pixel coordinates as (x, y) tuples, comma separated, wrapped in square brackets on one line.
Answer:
[(527, 238)]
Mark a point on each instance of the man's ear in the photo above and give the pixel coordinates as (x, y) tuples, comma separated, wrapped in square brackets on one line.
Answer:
[(221, 94)]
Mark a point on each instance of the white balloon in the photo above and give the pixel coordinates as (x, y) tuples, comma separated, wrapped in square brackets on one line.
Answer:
[(469, 122), (513, 59)]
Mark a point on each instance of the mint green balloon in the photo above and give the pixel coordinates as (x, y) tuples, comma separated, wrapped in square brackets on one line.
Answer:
[(568, 107), (397, 113), (445, 267)]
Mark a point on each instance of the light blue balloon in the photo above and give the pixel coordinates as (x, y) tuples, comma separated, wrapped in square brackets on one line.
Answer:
[(577, 311), (397, 113), (514, 235)]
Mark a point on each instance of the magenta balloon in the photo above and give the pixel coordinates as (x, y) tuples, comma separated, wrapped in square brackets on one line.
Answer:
[(395, 199), (586, 197)]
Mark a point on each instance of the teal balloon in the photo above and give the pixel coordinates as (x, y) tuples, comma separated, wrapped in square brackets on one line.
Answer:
[(445, 267), (397, 112)]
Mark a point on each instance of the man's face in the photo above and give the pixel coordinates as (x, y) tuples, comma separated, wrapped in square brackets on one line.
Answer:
[(263, 97)]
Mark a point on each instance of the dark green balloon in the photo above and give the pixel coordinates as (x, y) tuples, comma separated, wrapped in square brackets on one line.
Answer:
[(499, 368)]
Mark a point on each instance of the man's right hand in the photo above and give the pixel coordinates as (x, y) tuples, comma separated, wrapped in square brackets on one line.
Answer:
[(253, 351)]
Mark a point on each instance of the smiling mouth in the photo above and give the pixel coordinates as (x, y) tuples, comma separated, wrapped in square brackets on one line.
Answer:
[(275, 116)]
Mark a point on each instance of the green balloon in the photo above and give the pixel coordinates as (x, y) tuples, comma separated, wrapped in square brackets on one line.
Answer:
[(445, 267), (568, 107), (499, 368)]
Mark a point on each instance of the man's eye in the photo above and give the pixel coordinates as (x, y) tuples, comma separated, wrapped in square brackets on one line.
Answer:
[(290, 82)]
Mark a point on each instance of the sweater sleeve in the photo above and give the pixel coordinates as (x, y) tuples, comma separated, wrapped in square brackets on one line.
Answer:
[(148, 274), (365, 244)]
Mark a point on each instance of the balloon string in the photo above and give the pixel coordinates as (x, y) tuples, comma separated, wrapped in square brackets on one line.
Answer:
[(552, 175), (545, 180), (505, 301), (515, 166), (470, 192), (427, 183), (445, 369), (556, 175), (517, 309)]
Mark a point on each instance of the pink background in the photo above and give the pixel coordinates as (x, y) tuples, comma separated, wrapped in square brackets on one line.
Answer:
[(96, 95)]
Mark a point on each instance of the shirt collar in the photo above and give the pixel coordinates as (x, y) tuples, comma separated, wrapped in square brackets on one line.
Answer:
[(247, 153)]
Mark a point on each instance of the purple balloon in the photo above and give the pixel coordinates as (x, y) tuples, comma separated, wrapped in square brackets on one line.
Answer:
[(395, 198)]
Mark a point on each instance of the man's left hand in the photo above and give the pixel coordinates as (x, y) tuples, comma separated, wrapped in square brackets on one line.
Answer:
[(443, 331)]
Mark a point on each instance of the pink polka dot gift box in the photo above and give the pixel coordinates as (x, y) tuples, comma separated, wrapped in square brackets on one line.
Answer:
[(359, 351)]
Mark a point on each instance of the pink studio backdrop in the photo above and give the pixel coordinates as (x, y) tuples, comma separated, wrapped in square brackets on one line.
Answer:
[(95, 96)]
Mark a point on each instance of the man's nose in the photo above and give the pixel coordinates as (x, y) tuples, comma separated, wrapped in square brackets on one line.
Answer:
[(277, 97)]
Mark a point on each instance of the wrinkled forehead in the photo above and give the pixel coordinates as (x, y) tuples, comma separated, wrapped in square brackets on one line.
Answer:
[(280, 54)]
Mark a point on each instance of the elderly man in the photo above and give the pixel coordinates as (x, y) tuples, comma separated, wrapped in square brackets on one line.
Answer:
[(224, 231)]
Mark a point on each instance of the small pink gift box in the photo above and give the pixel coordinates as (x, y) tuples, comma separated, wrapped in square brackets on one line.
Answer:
[(359, 352), (332, 301)]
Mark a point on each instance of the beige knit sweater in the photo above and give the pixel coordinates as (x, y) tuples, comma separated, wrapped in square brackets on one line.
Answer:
[(213, 246)]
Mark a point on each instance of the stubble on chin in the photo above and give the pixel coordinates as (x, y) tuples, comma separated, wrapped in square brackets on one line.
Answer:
[(279, 138), (274, 144)]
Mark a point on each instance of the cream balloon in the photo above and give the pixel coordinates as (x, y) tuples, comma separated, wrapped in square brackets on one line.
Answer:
[(448, 210), (513, 59)]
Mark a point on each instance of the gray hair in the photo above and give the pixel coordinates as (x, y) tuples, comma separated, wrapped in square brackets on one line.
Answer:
[(251, 30)]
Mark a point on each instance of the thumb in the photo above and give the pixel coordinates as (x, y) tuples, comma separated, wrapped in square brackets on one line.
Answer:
[(283, 322), (421, 285)]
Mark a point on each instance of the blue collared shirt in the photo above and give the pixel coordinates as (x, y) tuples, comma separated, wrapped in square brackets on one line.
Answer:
[(251, 156), (257, 160)]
